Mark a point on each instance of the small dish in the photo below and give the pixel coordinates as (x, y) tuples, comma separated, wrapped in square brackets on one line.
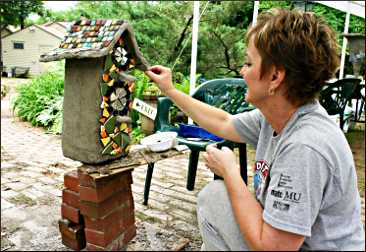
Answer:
[(160, 141)]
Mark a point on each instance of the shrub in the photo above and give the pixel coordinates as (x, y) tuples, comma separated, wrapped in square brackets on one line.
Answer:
[(40, 100)]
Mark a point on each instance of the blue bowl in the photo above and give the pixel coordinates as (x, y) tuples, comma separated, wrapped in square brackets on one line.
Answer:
[(194, 131)]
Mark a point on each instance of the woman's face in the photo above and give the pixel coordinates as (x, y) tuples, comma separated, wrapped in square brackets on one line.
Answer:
[(257, 90)]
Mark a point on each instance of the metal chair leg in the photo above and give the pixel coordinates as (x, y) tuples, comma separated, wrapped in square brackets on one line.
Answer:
[(243, 162), (150, 169), (192, 169)]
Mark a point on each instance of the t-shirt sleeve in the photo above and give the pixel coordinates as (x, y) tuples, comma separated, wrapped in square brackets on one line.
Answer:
[(298, 177), (248, 125)]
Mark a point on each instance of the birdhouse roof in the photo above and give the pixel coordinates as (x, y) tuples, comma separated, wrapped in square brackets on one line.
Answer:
[(93, 39)]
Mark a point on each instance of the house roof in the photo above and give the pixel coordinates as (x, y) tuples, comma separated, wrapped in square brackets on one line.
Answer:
[(93, 39), (56, 33)]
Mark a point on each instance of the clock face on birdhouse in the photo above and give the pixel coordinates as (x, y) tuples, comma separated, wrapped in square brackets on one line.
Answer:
[(116, 101)]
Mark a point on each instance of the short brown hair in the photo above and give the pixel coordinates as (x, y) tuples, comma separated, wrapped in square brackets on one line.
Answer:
[(303, 44)]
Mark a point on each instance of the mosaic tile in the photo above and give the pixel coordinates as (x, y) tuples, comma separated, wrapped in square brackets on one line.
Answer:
[(125, 140), (108, 148), (110, 124), (118, 138), (104, 89)]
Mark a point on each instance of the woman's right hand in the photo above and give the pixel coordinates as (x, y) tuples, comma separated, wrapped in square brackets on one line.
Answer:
[(162, 76)]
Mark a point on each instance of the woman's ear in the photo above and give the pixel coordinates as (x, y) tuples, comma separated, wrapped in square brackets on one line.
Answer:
[(277, 77)]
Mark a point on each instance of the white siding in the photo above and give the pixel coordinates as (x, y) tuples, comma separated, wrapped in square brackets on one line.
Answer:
[(36, 42)]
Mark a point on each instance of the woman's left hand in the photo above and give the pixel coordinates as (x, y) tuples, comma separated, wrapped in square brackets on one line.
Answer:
[(221, 161)]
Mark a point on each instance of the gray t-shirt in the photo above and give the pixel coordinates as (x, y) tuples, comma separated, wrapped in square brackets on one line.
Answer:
[(305, 178)]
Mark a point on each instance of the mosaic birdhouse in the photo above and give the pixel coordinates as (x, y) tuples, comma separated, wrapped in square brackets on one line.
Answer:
[(99, 55)]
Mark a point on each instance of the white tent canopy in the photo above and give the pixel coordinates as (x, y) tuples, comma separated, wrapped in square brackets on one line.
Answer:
[(356, 8)]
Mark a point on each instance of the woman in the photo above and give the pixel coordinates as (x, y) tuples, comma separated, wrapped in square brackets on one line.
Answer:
[(305, 182)]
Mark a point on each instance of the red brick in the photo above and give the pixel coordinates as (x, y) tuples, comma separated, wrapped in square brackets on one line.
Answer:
[(73, 244), (85, 179), (99, 210), (92, 247), (71, 198), (72, 231), (123, 179), (122, 218), (101, 238), (116, 245), (71, 181), (102, 193), (129, 234), (70, 213), (107, 231)]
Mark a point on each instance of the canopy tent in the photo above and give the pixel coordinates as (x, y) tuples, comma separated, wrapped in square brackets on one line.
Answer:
[(356, 8)]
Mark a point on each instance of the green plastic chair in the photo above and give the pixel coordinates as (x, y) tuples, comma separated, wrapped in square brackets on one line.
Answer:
[(336, 95), (227, 94)]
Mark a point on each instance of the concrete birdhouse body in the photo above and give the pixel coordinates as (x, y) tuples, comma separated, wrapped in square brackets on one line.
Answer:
[(99, 55)]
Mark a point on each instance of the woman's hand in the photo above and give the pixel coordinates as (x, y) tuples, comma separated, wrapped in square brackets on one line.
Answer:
[(162, 76), (221, 162)]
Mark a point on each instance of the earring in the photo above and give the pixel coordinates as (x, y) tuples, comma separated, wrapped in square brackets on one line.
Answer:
[(271, 91)]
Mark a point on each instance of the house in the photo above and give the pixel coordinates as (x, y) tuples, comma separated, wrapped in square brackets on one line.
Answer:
[(99, 55), (21, 49)]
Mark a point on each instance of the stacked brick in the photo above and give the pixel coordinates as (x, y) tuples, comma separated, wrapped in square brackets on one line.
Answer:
[(72, 223), (105, 211)]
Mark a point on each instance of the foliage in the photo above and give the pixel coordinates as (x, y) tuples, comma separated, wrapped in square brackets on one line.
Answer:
[(4, 90), (15, 12), (163, 29), (40, 101)]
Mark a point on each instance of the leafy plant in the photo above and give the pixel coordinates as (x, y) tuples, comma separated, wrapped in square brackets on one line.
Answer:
[(40, 100)]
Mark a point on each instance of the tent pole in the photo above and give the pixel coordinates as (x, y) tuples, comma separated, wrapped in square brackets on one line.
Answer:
[(344, 45), (255, 12), (192, 80)]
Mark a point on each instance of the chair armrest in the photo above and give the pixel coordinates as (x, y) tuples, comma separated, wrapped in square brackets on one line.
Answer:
[(162, 115)]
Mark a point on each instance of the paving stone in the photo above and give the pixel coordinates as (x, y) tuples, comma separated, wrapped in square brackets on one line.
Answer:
[(33, 193), (47, 180), (15, 213), (30, 174), (9, 194), (5, 205), (5, 165), (17, 186), (27, 180)]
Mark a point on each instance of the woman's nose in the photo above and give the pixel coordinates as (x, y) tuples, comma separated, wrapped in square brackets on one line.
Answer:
[(242, 70)]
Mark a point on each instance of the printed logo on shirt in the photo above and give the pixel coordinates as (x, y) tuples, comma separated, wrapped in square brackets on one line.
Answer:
[(281, 206), (292, 196), (261, 172), (285, 181), (277, 194)]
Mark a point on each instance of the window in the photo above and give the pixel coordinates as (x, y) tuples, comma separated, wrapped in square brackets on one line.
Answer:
[(18, 45)]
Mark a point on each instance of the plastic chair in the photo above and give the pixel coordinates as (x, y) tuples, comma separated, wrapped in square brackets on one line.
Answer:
[(335, 97), (227, 94), (360, 102)]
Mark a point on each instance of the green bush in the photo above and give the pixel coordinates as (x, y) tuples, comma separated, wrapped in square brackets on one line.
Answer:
[(40, 100)]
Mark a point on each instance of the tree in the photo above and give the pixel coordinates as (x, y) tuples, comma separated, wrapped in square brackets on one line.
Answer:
[(15, 12)]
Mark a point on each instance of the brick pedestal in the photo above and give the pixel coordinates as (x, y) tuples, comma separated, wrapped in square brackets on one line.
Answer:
[(97, 211), (71, 224)]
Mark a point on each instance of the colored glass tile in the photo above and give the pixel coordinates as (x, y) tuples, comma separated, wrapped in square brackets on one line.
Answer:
[(125, 140), (105, 113), (104, 88), (110, 124), (108, 148)]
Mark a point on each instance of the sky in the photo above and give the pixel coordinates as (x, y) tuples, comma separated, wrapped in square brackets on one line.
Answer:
[(59, 5)]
